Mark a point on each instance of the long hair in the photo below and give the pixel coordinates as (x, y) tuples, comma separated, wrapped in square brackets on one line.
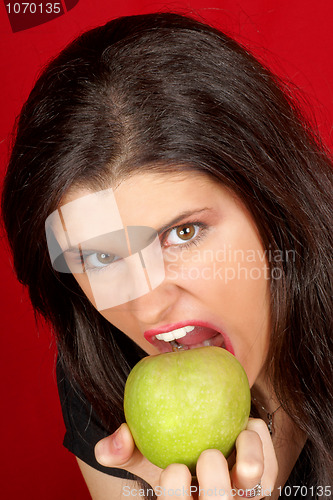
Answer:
[(166, 92)]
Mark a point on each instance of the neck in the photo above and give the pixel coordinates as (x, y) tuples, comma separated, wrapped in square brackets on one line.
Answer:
[(288, 439), (264, 395)]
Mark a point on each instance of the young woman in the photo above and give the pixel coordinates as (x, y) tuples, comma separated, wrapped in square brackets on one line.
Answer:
[(162, 179)]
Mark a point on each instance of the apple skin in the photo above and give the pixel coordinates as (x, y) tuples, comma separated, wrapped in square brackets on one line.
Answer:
[(178, 404)]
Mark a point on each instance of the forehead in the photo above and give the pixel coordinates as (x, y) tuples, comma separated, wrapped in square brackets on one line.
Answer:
[(90, 215), (142, 199), (141, 183)]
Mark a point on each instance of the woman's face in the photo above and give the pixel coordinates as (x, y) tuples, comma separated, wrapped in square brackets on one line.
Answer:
[(215, 289)]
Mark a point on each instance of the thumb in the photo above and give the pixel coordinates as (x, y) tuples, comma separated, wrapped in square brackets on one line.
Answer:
[(115, 450), (119, 450)]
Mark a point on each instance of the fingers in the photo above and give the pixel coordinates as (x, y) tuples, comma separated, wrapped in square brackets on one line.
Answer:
[(270, 462), (119, 450), (255, 464), (175, 480), (212, 479), (255, 459), (213, 475), (249, 467)]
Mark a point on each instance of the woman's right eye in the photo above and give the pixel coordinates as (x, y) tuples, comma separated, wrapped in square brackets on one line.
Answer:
[(100, 260)]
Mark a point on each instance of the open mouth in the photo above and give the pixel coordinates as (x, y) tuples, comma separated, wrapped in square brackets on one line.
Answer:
[(187, 336)]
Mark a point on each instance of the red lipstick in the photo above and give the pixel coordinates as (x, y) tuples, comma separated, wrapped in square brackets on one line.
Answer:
[(204, 333)]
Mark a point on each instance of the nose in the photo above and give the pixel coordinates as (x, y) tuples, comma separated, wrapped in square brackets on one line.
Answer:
[(155, 306)]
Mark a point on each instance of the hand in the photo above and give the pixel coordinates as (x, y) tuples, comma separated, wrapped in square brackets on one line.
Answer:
[(255, 462), (255, 459), (119, 450)]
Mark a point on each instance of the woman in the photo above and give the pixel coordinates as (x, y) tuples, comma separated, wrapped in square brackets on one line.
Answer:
[(159, 125)]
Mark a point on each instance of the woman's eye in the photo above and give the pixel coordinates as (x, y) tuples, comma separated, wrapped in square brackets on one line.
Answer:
[(182, 234), (100, 259)]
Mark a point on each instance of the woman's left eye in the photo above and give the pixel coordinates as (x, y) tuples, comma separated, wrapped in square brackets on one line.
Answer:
[(182, 234)]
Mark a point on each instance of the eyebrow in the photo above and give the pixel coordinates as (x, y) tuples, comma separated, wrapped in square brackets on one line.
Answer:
[(77, 252), (180, 217), (175, 220)]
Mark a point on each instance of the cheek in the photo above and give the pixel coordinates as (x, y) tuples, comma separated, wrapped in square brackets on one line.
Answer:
[(244, 309), (245, 306), (118, 316), (253, 326), (234, 287), (252, 351), (122, 319), (84, 284)]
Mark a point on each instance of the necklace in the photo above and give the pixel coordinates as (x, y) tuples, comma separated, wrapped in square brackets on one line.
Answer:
[(269, 416)]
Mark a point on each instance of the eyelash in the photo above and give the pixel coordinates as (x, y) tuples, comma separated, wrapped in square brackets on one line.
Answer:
[(187, 244), (81, 260)]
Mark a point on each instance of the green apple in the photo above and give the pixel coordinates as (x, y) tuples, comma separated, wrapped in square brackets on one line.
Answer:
[(179, 404)]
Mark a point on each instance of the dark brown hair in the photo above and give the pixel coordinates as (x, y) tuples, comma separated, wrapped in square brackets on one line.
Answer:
[(164, 91)]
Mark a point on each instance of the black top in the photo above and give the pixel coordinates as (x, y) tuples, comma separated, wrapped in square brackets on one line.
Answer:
[(84, 429)]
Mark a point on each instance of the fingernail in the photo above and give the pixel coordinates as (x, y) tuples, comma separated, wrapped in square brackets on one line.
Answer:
[(116, 440), (107, 447)]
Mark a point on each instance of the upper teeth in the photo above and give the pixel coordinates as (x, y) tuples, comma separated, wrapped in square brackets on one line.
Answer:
[(175, 334)]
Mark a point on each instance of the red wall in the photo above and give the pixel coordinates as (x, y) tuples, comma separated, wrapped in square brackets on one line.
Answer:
[(295, 37)]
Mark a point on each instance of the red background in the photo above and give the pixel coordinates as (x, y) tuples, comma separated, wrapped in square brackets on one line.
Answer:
[(296, 39)]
